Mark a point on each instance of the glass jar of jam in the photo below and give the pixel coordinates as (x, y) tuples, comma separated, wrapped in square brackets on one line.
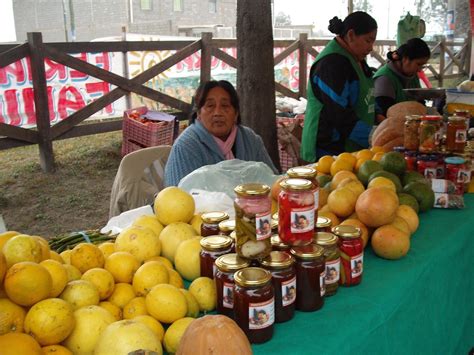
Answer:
[(457, 172), (280, 265), (351, 249), (211, 248), (456, 134), (278, 245), (310, 274), (253, 220), (466, 114), (296, 212), (430, 134), (323, 224), (227, 226), (254, 303), (411, 135), (308, 173), (427, 165), (227, 265), (411, 158), (210, 222), (332, 260)]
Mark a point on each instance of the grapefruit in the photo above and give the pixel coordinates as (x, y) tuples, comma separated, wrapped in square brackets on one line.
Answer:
[(123, 293), (122, 265), (12, 317), (172, 236), (410, 216), (166, 303), (389, 242), (80, 293), (187, 259), (153, 324), (174, 333), (86, 256), (102, 280), (342, 201), (58, 274), (149, 221), (149, 275), (136, 307), (377, 206), (22, 247), (19, 343), (340, 176), (174, 205), (141, 242), (114, 310)]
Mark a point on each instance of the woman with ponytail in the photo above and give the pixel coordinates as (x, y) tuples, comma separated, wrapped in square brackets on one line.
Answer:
[(400, 72), (340, 112)]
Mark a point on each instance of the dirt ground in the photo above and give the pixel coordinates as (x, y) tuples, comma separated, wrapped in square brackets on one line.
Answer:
[(76, 197)]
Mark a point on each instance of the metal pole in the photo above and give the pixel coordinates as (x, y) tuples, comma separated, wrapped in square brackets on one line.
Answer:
[(350, 6), (73, 23), (66, 32)]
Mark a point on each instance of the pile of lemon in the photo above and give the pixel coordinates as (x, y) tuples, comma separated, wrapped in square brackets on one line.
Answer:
[(109, 298)]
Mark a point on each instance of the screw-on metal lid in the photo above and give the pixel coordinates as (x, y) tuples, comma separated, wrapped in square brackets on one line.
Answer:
[(252, 276), (324, 239), (231, 262), (252, 189), (304, 172), (216, 242), (227, 226), (323, 222), (346, 231), (310, 251), (214, 217), (278, 260), (296, 184)]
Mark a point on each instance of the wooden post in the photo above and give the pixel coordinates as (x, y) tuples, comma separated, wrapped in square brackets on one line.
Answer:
[(128, 97), (43, 124), (442, 53), (303, 64), (206, 56), (467, 57)]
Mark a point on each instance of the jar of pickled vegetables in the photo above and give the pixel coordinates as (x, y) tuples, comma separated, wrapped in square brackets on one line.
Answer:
[(253, 220), (430, 134), (351, 249), (411, 136), (210, 222), (333, 261), (296, 211), (308, 173), (456, 134), (211, 248)]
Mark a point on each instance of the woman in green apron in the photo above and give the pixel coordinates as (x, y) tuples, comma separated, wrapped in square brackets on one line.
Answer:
[(340, 111), (399, 73)]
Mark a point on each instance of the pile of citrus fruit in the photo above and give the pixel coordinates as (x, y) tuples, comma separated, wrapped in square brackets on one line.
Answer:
[(111, 298)]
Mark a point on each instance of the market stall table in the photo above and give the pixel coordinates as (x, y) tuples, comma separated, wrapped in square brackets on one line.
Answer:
[(421, 304)]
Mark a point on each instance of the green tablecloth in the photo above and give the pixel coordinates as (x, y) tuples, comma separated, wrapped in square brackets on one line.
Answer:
[(421, 304)]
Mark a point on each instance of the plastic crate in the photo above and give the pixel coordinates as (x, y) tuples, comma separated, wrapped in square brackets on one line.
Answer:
[(286, 160), (147, 135), (129, 146)]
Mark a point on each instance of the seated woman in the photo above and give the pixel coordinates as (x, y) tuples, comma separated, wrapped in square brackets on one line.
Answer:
[(215, 134), (399, 73)]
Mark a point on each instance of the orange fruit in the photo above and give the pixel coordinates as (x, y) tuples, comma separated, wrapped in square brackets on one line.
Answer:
[(45, 252), (80, 293), (341, 164), (22, 247), (409, 215), (56, 350), (149, 275), (122, 265), (58, 274), (354, 185), (378, 156), (324, 164), (401, 224), (340, 176), (348, 157), (364, 154), (3, 267), (102, 280), (377, 149), (27, 283), (342, 201), (123, 293), (141, 242), (381, 181), (86, 256), (377, 206), (114, 310), (389, 242), (19, 343), (135, 307), (12, 317), (55, 256)]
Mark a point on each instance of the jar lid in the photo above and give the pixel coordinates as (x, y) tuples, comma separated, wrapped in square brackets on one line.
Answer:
[(305, 172), (428, 157), (233, 235), (275, 216), (323, 238), (252, 189), (323, 222), (346, 231), (273, 224), (276, 242), (454, 160), (399, 149), (413, 117), (227, 226), (252, 276), (278, 260), (214, 217), (431, 118), (310, 251), (216, 242), (462, 111), (231, 262), (296, 184), (411, 153), (457, 118)]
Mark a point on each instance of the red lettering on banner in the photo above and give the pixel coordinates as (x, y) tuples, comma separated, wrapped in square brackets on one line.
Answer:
[(11, 98), (76, 74), (53, 70), (102, 88), (16, 70), (294, 78), (29, 105), (103, 60), (65, 103)]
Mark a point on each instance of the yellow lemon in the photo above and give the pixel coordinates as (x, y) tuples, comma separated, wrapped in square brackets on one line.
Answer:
[(365, 154), (196, 222), (122, 265), (123, 293), (66, 256), (324, 164), (73, 272), (172, 235), (107, 248), (187, 259), (166, 303), (149, 275), (193, 306), (175, 278), (102, 280), (347, 157), (86, 256), (153, 324), (58, 274), (55, 256), (80, 293), (204, 291), (174, 333), (136, 307), (114, 310)]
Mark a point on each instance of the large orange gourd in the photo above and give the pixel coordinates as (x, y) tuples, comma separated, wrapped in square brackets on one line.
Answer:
[(214, 334)]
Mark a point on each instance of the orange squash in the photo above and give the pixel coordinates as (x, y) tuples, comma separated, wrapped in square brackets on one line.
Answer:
[(214, 334)]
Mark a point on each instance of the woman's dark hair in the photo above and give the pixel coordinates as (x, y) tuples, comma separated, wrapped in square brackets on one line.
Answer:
[(415, 48), (202, 91), (359, 21)]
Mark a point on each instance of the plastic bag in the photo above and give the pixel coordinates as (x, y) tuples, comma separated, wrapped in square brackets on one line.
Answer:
[(208, 201), (226, 175)]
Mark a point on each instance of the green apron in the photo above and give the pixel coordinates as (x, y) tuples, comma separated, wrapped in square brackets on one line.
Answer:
[(364, 107), (400, 95)]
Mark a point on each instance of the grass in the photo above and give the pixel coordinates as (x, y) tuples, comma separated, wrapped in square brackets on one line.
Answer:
[(76, 197)]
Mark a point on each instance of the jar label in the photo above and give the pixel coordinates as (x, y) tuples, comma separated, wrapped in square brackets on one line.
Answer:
[(288, 292), (357, 265), (463, 176), (460, 136), (430, 173), (228, 295), (302, 219), (439, 185), (322, 283), (262, 315), (441, 200), (332, 271), (263, 226), (316, 199)]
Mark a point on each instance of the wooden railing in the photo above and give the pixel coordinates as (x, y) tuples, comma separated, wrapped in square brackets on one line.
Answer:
[(44, 134)]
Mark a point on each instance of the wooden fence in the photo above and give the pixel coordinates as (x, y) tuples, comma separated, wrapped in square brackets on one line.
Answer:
[(439, 69)]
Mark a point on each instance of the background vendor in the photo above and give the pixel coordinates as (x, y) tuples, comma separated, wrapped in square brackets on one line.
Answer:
[(215, 134), (340, 112), (399, 73)]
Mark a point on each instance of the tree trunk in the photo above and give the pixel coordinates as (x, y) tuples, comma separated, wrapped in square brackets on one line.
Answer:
[(255, 71)]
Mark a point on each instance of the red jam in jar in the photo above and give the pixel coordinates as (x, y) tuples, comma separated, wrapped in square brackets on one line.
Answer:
[(351, 249), (296, 212), (211, 248), (456, 134), (310, 274), (410, 158), (308, 173), (253, 220), (210, 222), (323, 224), (332, 260), (427, 165), (254, 303), (278, 245), (280, 264), (458, 173), (227, 265)]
